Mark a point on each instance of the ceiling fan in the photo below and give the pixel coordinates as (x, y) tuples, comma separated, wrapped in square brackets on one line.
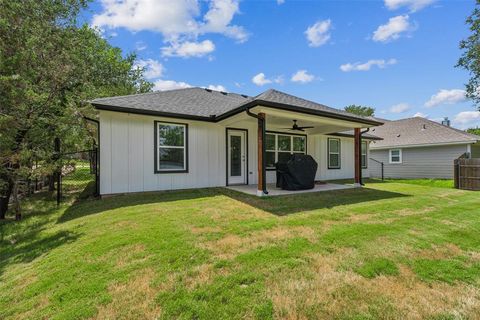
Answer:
[(296, 127)]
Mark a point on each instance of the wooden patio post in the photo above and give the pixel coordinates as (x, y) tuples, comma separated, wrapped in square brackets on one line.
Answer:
[(261, 161), (358, 157)]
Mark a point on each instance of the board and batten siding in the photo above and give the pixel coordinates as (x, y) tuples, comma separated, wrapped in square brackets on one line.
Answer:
[(127, 155), (417, 163), (317, 147)]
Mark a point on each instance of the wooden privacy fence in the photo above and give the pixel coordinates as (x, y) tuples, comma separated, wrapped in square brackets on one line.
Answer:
[(467, 173)]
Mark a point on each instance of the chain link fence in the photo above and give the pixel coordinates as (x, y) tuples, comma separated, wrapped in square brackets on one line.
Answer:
[(79, 174)]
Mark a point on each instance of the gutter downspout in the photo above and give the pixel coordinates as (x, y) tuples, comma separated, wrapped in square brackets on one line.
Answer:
[(262, 123), (361, 167)]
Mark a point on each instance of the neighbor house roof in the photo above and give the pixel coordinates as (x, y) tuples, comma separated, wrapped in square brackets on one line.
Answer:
[(418, 131), (211, 105)]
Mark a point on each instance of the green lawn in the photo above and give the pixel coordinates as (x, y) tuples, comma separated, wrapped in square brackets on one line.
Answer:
[(392, 250)]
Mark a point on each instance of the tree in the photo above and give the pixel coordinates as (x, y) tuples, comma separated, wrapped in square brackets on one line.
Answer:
[(470, 59), (49, 67), (360, 110), (474, 131)]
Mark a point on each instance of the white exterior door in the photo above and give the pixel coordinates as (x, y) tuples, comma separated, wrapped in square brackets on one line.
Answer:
[(236, 157)]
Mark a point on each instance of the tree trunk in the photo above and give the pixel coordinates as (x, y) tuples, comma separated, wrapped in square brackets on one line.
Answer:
[(16, 202), (5, 199)]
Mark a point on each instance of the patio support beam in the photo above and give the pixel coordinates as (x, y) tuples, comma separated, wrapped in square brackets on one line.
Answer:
[(261, 155), (262, 177), (358, 156)]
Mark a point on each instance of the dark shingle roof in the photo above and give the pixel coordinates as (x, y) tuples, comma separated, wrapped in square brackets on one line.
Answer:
[(204, 104), (284, 98), (418, 131), (189, 101)]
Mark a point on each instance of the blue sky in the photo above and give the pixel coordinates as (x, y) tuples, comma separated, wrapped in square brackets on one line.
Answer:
[(397, 56)]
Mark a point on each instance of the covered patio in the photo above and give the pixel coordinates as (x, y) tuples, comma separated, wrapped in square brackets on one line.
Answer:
[(284, 125)]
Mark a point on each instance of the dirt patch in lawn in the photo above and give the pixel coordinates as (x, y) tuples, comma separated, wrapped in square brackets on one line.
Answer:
[(440, 252), (326, 291), (202, 230), (411, 212), (233, 245), (130, 255), (196, 276), (134, 299)]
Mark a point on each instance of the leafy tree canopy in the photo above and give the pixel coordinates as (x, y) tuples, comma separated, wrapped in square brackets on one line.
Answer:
[(470, 59), (360, 110), (474, 131), (49, 67)]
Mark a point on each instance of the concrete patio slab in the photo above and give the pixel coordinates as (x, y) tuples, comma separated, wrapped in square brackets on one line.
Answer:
[(274, 191)]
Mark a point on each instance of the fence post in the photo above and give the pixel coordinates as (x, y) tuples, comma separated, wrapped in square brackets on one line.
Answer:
[(96, 171), (382, 172), (58, 174), (455, 173)]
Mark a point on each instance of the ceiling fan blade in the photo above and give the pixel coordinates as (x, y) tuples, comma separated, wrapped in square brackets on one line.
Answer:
[(287, 128), (306, 127)]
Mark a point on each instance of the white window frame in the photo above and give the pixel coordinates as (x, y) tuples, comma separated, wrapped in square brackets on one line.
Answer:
[(399, 156), (364, 165), (291, 151), (158, 147), (339, 154)]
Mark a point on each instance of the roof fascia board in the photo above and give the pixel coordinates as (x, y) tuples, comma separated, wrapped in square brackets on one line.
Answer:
[(151, 112), (237, 110), (423, 145), (281, 106)]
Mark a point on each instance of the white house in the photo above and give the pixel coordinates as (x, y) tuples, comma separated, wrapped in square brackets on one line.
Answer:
[(195, 137), (419, 148)]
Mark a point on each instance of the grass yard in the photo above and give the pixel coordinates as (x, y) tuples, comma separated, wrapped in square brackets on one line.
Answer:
[(392, 250)]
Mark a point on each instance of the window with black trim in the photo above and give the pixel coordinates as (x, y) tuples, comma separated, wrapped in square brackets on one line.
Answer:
[(334, 153), (171, 147), (280, 146), (364, 154)]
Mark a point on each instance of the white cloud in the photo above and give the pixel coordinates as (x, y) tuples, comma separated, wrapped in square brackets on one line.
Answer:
[(302, 76), (218, 87), (179, 21), (171, 18), (153, 68), (140, 46), (318, 34), (412, 5), (357, 66), (188, 49), (467, 119), (420, 115), (392, 30), (446, 97), (218, 19), (400, 108), (163, 85), (280, 2), (261, 80)]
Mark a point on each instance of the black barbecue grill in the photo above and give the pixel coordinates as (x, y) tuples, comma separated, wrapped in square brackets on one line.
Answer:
[(297, 173)]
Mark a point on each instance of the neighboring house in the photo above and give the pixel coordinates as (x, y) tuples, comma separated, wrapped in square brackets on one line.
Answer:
[(419, 148), (194, 137)]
